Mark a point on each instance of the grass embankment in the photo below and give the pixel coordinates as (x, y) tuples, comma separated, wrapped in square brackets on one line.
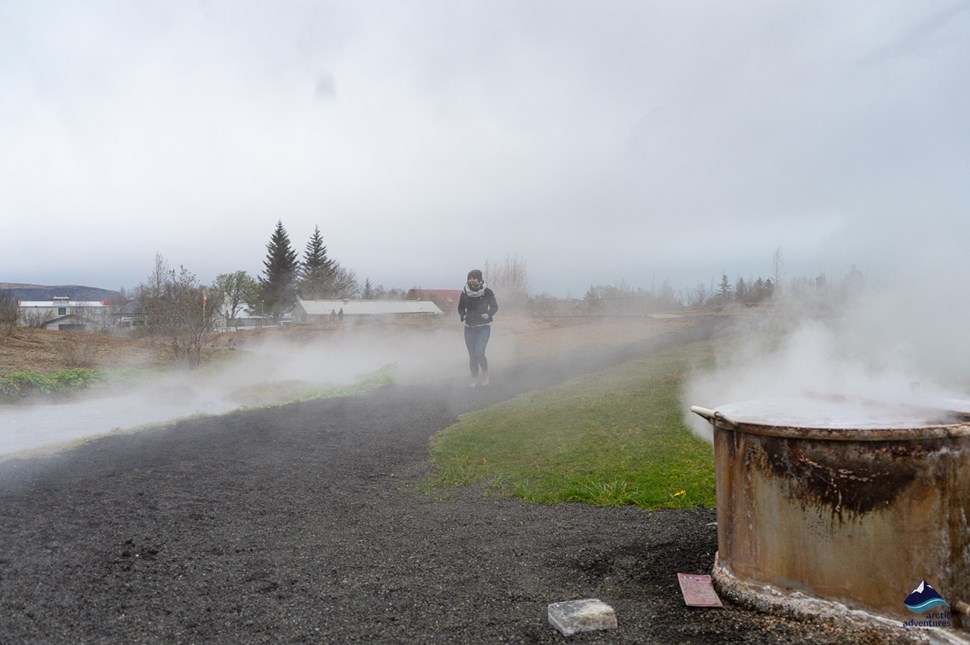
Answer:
[(609, 438)]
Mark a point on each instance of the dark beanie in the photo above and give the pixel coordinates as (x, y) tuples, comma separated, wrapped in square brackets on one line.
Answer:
[(475, 273)]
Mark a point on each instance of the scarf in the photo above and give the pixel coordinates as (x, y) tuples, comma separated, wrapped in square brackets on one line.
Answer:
[(475, 293)]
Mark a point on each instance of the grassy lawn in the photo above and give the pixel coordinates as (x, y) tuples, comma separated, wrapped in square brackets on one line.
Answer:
[(613, 437)]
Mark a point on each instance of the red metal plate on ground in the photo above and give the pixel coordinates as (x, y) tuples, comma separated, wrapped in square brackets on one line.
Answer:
[(698, 590)]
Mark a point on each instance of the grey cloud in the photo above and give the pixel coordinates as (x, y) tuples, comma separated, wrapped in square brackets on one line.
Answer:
[(599, 143)]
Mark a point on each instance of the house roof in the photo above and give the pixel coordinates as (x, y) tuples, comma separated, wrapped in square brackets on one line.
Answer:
[(368, 307)]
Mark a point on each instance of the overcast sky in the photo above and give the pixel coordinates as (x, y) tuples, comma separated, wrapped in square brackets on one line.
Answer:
[(599, 142)]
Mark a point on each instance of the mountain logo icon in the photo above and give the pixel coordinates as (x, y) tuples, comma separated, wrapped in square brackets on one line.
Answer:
[(924, 598)]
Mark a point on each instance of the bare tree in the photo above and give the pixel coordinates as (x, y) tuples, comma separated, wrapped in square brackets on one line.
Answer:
[(379, 292), (36, 319), (8, 313), (77, 352), (343, 283), (177, 312), (777, 267), (667, 298), (510, 281), (698, 296), (150, 296), (621, 299)]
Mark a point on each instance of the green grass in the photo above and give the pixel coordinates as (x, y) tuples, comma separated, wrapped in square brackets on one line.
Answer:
[(24, 383), (609, 438)]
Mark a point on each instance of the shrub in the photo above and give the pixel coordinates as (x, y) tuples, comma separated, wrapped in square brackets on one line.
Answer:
[(22, 384)]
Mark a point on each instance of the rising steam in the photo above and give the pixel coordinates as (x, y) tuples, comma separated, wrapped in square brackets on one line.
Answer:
[(884, 345), (270, 370)]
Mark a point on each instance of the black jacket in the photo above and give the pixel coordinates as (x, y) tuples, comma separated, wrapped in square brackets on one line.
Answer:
[(479, 311)]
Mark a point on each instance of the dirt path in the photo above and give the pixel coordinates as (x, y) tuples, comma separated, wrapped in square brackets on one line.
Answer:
[(308, 523)]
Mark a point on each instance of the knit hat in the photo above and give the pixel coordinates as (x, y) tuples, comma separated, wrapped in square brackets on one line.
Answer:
[(477, 290)]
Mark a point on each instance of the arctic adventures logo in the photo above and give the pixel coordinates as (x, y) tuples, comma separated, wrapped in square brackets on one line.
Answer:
[(923, 599)]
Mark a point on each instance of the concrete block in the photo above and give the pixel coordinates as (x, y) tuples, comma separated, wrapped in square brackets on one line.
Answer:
[(587, 615)]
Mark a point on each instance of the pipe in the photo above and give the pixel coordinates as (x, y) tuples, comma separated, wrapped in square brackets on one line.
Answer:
[(714, 417), (961, 607)]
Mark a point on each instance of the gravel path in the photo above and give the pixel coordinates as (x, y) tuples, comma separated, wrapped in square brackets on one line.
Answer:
[(309, 523)]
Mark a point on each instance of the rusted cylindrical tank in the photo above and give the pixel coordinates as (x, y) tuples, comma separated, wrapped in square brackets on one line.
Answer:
[(842, 501)]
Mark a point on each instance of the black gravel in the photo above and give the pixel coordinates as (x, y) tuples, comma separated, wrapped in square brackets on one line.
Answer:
[(312, 523)]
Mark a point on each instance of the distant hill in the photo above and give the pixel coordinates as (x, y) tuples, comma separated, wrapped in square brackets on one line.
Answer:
[(49, 292)]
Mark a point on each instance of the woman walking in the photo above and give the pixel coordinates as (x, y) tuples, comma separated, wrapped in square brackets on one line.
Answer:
[(477, 308)]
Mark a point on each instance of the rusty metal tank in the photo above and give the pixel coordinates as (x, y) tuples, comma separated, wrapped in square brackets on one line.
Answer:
[(844, 501)]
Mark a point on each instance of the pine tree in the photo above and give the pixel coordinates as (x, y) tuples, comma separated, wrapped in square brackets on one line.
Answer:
[(740, 290), (278, 283), (724, 289), (316, 270)]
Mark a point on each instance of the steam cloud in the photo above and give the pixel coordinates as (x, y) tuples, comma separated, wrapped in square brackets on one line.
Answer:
[(272, 370), (900, 341)]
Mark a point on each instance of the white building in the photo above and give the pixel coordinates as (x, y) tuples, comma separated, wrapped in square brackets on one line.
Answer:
[(307, 311), (65, 314)]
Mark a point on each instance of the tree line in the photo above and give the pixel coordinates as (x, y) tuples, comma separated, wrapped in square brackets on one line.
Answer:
[(623, 299), (180, 312)]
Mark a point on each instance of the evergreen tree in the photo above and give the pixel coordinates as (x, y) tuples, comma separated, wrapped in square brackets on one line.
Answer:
[(316, 270), (724, 289), (278, 283), (741, 290)]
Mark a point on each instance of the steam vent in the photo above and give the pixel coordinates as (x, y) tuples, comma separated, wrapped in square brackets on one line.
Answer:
[(833, 503)]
